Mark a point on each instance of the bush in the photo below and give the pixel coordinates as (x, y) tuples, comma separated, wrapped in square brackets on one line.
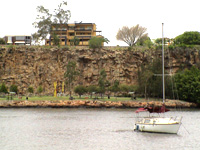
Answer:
[(188, 38), (74, 42), (40, 89), (13, 88), (30, 89), (171, 47), (97, 42), (2, 41), (3, 88)]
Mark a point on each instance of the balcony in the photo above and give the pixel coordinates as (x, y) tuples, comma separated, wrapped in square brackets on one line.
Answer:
[(59, 29), (84, 36), (83, 29), (70, 37)]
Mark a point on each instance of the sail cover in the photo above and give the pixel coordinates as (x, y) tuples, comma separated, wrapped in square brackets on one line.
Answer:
[(154, 109)]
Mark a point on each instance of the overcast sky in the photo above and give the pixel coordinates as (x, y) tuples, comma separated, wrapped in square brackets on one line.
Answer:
[(178, 16)]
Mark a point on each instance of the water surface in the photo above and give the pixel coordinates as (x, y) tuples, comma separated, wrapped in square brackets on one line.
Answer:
[(90, 129)]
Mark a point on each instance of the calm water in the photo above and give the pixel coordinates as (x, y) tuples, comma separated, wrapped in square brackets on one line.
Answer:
[(90, 129)]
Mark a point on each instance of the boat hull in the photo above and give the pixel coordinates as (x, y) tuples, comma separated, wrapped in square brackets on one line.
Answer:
[(158, 128)]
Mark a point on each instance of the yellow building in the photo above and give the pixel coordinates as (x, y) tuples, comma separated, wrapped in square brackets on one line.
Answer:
[(66, 32)]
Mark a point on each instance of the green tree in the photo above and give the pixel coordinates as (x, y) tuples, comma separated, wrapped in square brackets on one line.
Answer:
[(144, 41), (75, 41), (80, 90), (131, 35), (30, 89), (40, 90), (97, 42), (102, 82), (91, 89), (124, 88), (3, 88), (188, 38), (188, 84), (150, 80), (115, 88), (70, 75), (2, 41), (45, 19), (56, 40), (145, 75), (13, 88)]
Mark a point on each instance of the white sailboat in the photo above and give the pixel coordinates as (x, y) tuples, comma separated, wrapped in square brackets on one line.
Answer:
[(158, 124)]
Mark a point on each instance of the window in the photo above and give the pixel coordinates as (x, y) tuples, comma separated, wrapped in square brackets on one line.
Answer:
[(9, 39), (20, 38), (71, 28), (71, 34), (89, 28), (147, 121)]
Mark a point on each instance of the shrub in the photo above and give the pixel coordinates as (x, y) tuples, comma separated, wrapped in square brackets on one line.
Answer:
[(30, 89), (3, 88), (13, 88), (2, 41), (97, 42), (188, 38), (56, 40), (40, 89), (74, 42)]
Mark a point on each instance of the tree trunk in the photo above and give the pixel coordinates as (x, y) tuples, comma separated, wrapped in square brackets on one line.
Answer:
[(145, 88)]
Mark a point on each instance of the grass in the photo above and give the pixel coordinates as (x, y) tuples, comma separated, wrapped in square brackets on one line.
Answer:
[(51, 98)]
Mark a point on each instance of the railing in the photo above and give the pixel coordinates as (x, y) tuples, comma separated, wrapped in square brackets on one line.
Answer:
[(82, 29), (59, 29), (83, 36)]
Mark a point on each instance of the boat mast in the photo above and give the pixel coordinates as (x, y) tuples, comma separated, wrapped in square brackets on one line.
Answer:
[(163, 65)]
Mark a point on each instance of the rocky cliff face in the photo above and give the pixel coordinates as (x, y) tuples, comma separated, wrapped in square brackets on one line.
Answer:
[(27, 66)]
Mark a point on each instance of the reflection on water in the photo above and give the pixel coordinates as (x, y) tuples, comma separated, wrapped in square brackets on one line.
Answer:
[(90, 129)]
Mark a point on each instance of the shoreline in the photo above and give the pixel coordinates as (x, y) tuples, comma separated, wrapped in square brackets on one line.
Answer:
[(92, 104)]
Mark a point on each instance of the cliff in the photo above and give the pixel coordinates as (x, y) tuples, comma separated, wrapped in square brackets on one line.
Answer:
[(27, 66)]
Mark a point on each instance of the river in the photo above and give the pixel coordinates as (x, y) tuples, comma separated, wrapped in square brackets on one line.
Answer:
[(90, 129)]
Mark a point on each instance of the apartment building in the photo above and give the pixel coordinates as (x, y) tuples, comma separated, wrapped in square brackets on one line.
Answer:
[(66, 32), (17, 39)]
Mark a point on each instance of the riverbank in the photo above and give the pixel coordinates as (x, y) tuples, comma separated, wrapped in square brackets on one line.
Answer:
[(92, 104)]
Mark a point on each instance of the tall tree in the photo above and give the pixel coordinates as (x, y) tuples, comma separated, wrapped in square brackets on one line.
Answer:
[(45, 19), (131, 35), (70, 75), (115, 88), (102, 81), (188, 84)]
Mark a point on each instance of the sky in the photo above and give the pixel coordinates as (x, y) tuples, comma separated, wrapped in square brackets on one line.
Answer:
[(178, 16)]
